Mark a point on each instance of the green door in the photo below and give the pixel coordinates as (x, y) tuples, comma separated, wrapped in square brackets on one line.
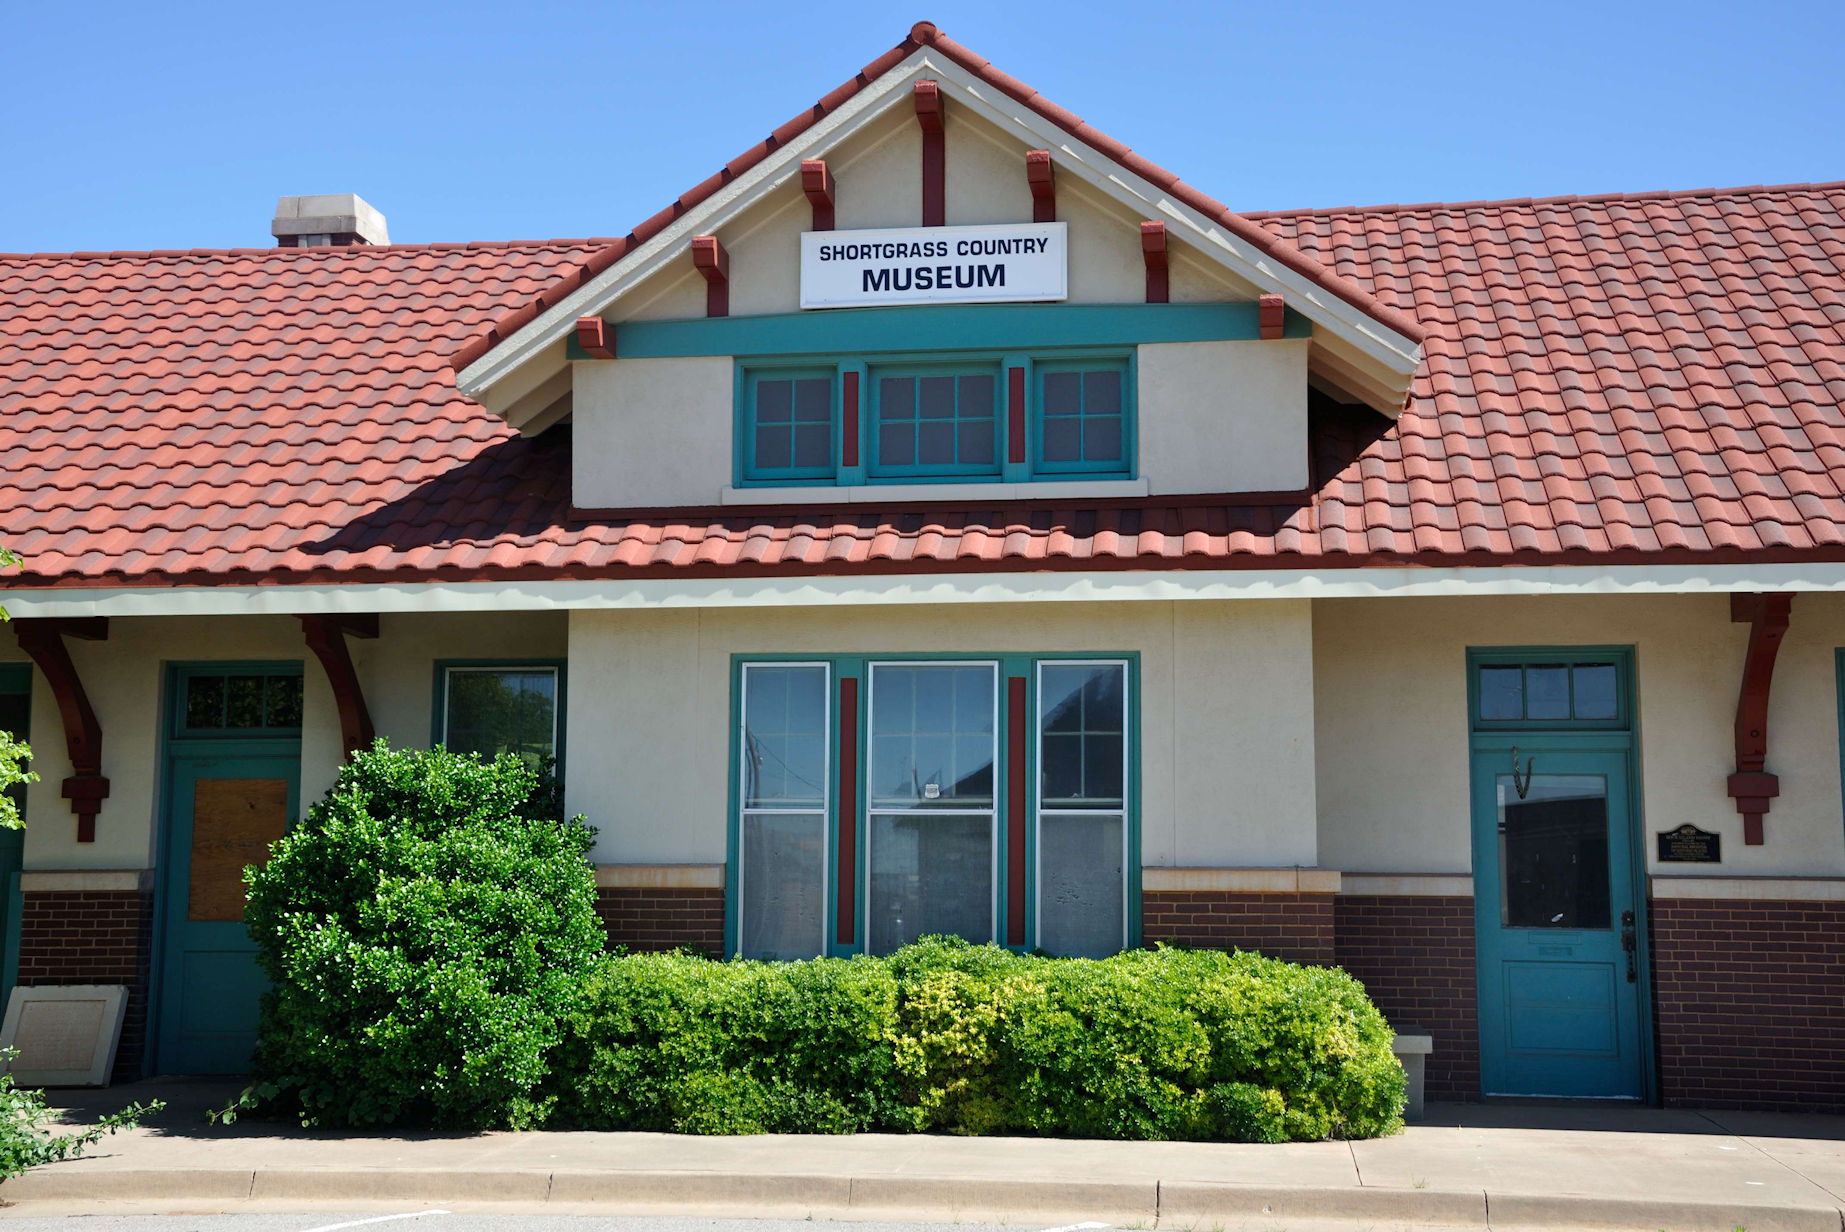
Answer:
[(233, 786), (1555, 919)]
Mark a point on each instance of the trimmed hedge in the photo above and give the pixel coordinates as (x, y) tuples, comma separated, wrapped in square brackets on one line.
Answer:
[(1162, 1044)]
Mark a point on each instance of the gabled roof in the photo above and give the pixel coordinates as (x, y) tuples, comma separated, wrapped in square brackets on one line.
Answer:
[(1388, 334), (1641, 379)]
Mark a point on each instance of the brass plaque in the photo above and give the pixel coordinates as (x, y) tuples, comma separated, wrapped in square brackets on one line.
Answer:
[(233, 823), (1689, 845)]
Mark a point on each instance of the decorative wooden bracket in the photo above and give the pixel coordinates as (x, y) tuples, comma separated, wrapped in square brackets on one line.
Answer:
[(1271, 316), (1752, 786), (817, 183), (712, 260), (1041, 178), (928, 95), (43, 641), (597, 337), (1153, 251), (326, 637)]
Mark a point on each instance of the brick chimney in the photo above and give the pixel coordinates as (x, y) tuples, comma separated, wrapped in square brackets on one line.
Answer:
[(330, 219)]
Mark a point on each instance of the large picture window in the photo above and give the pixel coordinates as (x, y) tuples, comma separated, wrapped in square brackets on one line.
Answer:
[(986, 797)]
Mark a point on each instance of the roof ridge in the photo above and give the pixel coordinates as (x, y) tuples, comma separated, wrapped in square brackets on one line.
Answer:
[(125, 254), (1669, 194)]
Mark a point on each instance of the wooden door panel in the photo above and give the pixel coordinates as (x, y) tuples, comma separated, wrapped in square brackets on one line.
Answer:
[(233, 823)]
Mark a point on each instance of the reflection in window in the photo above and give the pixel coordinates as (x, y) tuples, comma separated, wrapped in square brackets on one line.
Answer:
[(1553, 852), (1082, 414), (1549, 692), (784, 780), (792, 424), (244, 703), (1082, 818), (494, 710)]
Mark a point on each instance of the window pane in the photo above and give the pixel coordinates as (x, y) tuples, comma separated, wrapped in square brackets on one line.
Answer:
[(1595, 691), (243, 702), (1102, 392), (935, 443), (774, 401), (502, 710), (1102, 440), (813, 445), (15, 719), (283, 702), (1063, 440), (1063, 393), (932, 732), (1502, 693), (784, 736), (935, 397), (1082, 892), (1547, 692), (783, 886), (1553, 852), (977, 442), (895, 445), (977, 396), (813, 399), (930, 874), (1082, 715), (773, 444), (897, 398), (205, 702)]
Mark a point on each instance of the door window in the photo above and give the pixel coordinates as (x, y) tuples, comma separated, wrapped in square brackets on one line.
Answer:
[(1553, 850)]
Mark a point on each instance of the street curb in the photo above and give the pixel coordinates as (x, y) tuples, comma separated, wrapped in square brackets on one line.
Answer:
[(1171, 1204)]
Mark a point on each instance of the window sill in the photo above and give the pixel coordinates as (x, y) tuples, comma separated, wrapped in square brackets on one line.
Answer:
[(977, 493)]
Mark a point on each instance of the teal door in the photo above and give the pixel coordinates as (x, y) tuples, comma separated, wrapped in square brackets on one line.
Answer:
[(15, 719), (233, 786), (1556, 919)]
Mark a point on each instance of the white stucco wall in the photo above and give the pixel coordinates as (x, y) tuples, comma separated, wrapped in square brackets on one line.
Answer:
[(1223, 416), (1392, 725), (124, 677), (652, 432), (1226, 714)]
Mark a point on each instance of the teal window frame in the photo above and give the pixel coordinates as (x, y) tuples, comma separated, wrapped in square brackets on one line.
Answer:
[(858, 667), (1121, 468), (872, 436), (438, 717), (751, 468), (183, 675), (1621, 657)]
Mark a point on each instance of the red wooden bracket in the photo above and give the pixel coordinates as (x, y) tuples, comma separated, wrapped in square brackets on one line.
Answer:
[(1271, 316), (1041, 177), (817, 183), (712, 260), (928, 95), (597, 337), (43, 642), (1153, 251), (1752, 786), (848, 812), (326, 637), (1015, 810)]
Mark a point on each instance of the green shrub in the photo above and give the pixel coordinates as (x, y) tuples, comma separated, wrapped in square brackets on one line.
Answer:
[(26, 1139), (677, 1042), (425, 930), (973, 1039)]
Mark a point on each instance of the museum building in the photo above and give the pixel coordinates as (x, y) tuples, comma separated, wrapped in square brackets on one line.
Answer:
[(942, 519)]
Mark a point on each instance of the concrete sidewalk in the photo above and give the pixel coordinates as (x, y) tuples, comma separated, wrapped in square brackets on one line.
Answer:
[(1461, 1167)]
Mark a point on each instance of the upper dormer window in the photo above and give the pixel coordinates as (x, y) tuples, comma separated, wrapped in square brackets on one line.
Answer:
[(1014, 418)]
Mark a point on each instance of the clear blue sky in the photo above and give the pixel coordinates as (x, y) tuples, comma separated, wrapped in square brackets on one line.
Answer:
[(163, 125)]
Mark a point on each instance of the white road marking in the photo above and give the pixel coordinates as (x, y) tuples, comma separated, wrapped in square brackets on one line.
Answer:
[(333, 1227), (1090, 1226)]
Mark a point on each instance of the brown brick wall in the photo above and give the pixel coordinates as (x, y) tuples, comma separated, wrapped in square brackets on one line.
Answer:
[(1415, 956), (1750, 1003), (663, 919), (1293, 925), (93, 937)]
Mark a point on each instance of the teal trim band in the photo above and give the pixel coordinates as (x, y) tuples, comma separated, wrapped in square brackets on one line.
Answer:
[(944, 327)]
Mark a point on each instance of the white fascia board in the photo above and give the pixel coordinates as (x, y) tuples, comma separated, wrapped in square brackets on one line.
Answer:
[(1112, 586), (673, 241), (1384, 346)]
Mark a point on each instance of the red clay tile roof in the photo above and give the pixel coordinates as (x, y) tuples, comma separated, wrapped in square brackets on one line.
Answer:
[(1617, 379), (925, 34)]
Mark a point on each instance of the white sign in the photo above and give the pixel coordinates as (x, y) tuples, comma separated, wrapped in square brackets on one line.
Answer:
[(935, 265)]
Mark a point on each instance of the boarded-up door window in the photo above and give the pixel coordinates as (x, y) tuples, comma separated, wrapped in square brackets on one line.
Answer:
[(233, 823)]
